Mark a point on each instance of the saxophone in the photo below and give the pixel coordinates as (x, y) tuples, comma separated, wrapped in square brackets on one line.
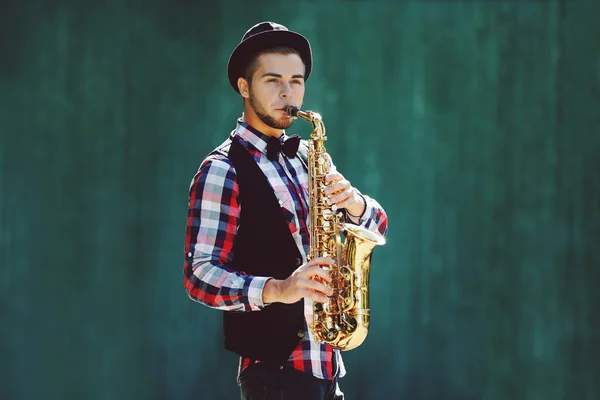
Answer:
[(343, 322)]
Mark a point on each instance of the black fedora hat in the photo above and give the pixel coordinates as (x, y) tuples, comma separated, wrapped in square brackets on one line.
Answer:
[(262, 36)]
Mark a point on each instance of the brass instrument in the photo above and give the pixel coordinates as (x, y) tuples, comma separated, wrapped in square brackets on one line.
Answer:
[(343, 322)]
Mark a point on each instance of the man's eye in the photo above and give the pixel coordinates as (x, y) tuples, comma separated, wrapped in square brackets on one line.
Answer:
[(272, 80), (297, 81)]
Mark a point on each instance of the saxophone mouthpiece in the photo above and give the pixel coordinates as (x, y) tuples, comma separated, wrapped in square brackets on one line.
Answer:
[(292, 111)]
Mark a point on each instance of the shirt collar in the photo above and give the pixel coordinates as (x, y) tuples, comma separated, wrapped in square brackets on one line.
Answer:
[(253, 136)]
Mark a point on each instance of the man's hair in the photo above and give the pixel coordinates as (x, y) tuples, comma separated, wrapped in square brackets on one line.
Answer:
[(253, 64)]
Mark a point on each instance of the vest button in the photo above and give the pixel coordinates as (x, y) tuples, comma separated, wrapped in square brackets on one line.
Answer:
[(300, 334), (298, 261)]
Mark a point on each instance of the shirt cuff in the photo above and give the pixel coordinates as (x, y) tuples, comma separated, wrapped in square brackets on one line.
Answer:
[(255, 291)]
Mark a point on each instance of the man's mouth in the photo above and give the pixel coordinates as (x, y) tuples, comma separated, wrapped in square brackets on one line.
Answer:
[(282, 109)]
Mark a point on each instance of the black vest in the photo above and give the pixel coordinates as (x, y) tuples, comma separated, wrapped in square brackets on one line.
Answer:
[(263, 246)]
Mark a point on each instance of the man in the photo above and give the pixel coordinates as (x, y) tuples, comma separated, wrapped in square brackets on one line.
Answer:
[(247, 233)]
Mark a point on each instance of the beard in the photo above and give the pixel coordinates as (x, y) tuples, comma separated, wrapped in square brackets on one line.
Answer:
[(261, 112)]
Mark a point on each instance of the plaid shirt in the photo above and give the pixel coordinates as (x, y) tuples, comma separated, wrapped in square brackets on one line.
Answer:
[(212, 223)]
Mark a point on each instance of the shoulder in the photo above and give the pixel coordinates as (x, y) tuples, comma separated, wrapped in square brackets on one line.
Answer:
[(218, 160), (216, 169), (214, 179), (216, 163)]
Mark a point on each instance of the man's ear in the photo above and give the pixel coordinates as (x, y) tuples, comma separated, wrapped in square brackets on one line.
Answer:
[(243, 87)]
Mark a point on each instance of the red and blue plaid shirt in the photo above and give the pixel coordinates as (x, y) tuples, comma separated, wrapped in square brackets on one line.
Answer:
[(212, 223)]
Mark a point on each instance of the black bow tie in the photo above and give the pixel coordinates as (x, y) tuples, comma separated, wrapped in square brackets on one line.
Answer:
[(289, 147)]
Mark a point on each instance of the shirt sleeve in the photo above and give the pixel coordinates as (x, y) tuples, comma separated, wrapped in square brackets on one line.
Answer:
[(213, 218), (374, 218)]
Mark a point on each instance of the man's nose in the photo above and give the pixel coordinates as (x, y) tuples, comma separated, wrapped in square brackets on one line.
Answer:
[(286, 90)]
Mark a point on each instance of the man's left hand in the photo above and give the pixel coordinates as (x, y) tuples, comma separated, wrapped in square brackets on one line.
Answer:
[(343, 195)]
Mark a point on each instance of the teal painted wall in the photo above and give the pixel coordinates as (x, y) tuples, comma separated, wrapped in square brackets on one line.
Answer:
[(475, 124)]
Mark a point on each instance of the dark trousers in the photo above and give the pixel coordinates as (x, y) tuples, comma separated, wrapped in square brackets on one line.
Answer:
[(270, 382)]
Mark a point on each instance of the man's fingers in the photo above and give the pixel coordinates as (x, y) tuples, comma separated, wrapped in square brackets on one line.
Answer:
[(320, 261), (334, 188), (337, 199), (314, 268), (315, 296), (344, 204), (337, 187), (333, 177), (319, 272), (319, 287)]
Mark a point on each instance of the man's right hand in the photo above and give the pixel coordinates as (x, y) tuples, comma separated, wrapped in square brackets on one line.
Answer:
[(301, 284)]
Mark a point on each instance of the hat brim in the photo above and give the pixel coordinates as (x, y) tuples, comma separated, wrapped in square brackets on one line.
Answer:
[(243, 53)]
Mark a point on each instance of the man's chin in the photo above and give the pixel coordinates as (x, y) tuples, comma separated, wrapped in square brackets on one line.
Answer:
[(279, 122), (286, 123), (283, 123)]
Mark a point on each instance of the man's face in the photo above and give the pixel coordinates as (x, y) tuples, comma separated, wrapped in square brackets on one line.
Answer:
[(277, 83)]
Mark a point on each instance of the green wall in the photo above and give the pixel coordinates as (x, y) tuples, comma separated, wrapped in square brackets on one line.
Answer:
[(476, 124)]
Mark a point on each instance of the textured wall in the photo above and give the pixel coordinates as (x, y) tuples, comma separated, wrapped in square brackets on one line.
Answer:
[(476, 125)]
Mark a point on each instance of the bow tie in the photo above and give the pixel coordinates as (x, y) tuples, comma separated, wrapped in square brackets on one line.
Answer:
[(289, 147)]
